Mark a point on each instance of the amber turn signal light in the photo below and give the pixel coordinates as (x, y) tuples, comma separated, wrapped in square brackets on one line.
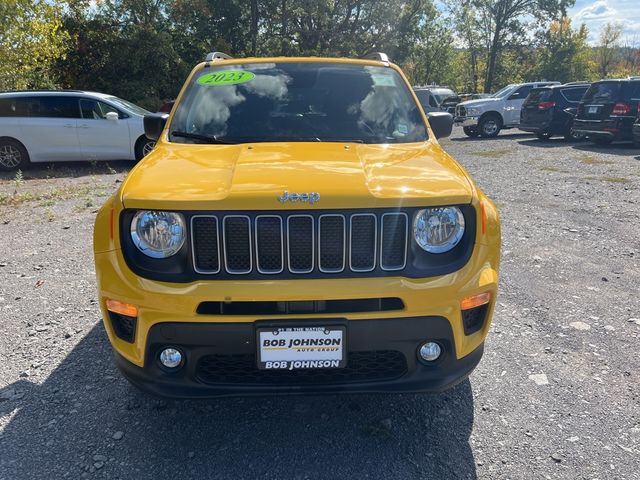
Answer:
[(122, 308), (475, 301)]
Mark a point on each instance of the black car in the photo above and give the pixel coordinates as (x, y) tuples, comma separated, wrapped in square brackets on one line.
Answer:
[(608, 110), (431, 97), (549, 111), (449, 104), (636, 131)]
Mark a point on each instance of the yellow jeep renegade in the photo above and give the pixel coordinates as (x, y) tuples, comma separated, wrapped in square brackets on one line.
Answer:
[(297, 228)]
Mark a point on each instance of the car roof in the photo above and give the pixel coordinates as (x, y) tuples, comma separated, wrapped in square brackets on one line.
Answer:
[(49, 93)]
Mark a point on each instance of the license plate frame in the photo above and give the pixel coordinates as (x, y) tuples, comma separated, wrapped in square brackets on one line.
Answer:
[(289, 354)]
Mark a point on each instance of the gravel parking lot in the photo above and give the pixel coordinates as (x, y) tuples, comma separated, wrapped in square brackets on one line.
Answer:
[(557, 394)]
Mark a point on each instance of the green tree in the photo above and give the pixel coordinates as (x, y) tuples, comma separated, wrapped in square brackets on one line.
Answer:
[(607, 52), (564, 53), (31, 41), (505, 23)]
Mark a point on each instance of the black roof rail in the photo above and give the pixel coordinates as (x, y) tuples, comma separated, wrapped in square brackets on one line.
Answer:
[(380, 56), (213, 56)]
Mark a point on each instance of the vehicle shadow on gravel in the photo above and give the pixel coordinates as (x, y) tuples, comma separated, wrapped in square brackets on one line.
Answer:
[(70, 170), (550, 143), (502, 137), (67, 427), (621, 149)]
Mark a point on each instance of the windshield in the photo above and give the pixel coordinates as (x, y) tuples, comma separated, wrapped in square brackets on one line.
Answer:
[(504, 92), (441, 94), (297, 102), (132, 107), (602, 92)]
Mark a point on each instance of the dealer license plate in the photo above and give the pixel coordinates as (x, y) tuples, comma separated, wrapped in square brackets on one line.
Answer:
[(299, 348), (593, 110)]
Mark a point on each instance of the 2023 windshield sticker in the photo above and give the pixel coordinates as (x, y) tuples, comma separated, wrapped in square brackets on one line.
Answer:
[(226, 77)]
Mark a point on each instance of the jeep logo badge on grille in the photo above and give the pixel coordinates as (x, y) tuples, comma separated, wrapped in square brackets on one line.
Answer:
[(311, 197)]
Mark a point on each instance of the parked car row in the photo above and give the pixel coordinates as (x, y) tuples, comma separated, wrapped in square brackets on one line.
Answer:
[(603, 111), (70, 125)]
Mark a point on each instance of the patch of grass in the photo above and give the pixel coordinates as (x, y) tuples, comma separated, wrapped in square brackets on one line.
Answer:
[(498, 153), (591, 160), (553, 169), (51, 197), (18, 179), (610, 179)]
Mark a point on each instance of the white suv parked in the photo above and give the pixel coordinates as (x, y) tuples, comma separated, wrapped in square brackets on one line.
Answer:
[(487, 116), (51, 126)]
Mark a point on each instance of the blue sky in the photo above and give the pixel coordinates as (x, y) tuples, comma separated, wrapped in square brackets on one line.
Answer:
[(596, 13)]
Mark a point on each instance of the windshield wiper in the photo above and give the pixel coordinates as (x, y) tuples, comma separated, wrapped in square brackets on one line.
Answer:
[(204, 138)]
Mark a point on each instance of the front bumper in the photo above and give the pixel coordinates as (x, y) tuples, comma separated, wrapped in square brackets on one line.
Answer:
[(466, 121), (220, 361)]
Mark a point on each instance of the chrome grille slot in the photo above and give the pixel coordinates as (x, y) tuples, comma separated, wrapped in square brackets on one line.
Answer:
[(269, 248), (205, 246), (393, 248), (331, 243), (363, 240), (237, 244), (300, 242)]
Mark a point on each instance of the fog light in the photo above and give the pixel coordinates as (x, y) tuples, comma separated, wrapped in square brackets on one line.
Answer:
[(171, 358), (430, 351)]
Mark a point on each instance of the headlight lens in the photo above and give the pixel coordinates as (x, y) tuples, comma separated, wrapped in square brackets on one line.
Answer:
[(438, 230), (158, 234), (473, 112)]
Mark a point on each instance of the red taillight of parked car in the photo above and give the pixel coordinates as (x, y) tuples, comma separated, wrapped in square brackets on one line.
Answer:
[(621, 109), (546, 105)]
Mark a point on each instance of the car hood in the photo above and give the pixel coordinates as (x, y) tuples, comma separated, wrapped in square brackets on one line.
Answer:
[(254, 176), (480, 102)]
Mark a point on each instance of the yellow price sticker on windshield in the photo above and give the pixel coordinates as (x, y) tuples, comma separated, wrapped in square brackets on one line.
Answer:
[(226, 77)]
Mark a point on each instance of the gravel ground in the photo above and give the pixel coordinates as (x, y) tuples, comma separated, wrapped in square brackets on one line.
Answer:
[(556, 395)]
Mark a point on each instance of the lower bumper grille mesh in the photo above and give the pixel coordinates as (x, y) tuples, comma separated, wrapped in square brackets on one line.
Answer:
[(361, 367)]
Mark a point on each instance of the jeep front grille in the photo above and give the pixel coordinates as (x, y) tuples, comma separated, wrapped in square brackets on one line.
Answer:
[(461, 111), (299, 243)]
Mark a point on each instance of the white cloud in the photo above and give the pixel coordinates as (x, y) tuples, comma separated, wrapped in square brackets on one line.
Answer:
[(596, 13)]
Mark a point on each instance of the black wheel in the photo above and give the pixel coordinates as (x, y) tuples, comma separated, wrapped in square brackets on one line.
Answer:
[(490, 126), (573, 136), (543, 136), (602, 140), (470, 132), (144, 147), (13, 155)]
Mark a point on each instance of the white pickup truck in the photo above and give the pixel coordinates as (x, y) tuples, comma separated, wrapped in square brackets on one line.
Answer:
[(487, 116)]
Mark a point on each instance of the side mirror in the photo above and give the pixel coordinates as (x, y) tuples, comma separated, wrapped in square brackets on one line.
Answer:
[(113, 116), (441, 123), (154, 125)]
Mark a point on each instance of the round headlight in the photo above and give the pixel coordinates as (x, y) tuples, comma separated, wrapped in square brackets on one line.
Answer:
[(438, 230), (158, 234)]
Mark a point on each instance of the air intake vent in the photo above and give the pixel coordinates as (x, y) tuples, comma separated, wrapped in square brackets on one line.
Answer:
[(237, 244), (301, 307), (332, 243), (394, 241)]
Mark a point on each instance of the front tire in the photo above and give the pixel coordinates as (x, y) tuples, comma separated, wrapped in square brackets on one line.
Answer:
[(470, 132), (144, 146), (13, 155), (490, 126), (573, 136)]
